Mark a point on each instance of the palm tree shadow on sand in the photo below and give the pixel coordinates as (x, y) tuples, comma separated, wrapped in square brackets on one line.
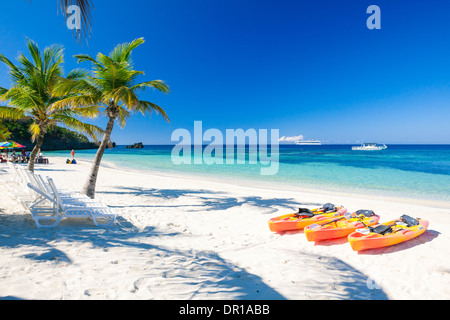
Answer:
[(214, 200), (185, 274)]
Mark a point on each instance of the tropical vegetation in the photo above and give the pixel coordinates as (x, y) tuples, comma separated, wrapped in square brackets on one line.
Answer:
[(56, 138), (32, 95)]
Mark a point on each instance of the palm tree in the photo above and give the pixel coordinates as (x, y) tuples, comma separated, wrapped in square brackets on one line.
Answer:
[(111, 87), (32, 95)]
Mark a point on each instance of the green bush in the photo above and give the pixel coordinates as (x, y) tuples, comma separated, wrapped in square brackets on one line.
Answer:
[(57, 138)]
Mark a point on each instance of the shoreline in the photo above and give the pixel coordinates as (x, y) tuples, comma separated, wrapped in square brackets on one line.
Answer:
[(251, 183)]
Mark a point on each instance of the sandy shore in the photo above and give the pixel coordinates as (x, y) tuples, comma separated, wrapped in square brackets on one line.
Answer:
[(185, 238)]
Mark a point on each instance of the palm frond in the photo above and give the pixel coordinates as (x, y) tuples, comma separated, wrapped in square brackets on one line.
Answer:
[(35, 54), (88, 112), (122, 117), (78, 85), (4, 133), (23, 97), (122, 52), (15, 73), (74, 102), (149, 107), (92, 130), (35, 131), (77, 74), (85, 57), (52, 55), (154, 84), (123, 95), (11, 113)]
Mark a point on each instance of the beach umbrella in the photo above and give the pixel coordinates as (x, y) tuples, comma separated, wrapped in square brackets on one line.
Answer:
[(11, 145)]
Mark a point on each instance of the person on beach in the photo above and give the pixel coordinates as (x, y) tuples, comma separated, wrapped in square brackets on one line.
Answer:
[(14, 157), (73, 154), (23, 156)]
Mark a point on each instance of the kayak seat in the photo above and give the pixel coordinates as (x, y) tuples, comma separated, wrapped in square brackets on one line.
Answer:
[(367, 213), (410, 222), (304, 212), (381, 229)]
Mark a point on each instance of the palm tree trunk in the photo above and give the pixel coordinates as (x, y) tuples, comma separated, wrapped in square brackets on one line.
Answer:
[(36, 149), (89, 187)]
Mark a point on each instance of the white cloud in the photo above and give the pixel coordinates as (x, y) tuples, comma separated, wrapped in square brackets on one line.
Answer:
[(291, 139)]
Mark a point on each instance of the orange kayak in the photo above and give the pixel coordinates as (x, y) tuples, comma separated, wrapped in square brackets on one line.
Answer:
[(340, 227), (396, 231), (302, 219)]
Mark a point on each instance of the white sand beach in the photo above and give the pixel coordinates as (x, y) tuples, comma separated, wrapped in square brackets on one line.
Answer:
[(195, 238)]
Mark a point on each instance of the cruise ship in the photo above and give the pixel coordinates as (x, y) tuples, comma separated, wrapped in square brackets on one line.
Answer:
[(309, 143)]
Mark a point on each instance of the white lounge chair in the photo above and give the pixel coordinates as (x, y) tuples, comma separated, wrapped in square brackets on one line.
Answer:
[(81, 209), (48, 204), (65, 206)]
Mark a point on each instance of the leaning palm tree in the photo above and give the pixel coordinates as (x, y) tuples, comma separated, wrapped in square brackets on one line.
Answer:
[(32, 96), (113, 88)]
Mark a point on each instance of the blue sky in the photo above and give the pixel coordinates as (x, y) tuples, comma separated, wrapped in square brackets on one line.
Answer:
[(303, 67)]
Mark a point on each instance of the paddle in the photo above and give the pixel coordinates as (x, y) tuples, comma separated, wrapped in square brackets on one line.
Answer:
[(347, 216)]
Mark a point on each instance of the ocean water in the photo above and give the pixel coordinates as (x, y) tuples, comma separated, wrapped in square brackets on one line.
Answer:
[(412, 171)]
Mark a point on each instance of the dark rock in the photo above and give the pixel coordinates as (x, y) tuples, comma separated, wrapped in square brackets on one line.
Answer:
[(138, 145)]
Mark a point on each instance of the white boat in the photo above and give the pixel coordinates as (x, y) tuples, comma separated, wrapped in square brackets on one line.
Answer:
[(309, 143), (370, 147)]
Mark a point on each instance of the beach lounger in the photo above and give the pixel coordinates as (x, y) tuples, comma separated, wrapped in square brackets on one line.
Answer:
[(48, 204), (66, 197), (65, 205), (68, 208)]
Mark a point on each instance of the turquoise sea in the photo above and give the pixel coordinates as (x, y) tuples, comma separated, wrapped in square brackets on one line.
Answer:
[(412, 171)]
